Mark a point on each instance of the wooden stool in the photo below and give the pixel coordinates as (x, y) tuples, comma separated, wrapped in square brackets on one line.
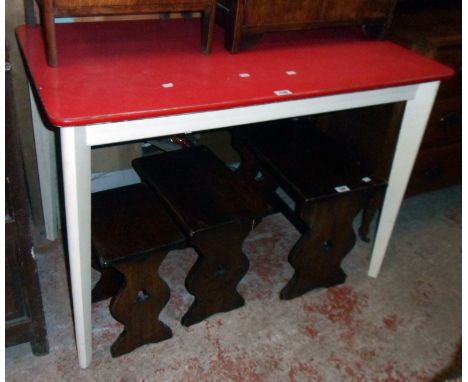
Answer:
[(215, 210), (329, 188), (131, 235), (50, 9)]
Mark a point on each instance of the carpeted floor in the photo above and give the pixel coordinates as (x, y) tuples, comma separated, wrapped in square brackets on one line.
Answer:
[(403, 326)]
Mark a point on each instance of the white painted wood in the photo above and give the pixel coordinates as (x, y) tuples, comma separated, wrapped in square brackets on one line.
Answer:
[(106, 133), (412, 129), (76, 163), (44, 140)]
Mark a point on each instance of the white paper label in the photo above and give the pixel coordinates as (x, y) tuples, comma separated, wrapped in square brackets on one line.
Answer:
[(342, 189), (283, 92)]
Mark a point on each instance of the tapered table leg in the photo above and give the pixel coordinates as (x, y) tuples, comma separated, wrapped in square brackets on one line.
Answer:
[(412, 129), (76, 167)]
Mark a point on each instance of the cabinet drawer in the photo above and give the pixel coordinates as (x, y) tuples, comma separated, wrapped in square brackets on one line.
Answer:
[(451, 56), (318, 12), (436, 168), (280, 12), (356, 10), (15, 308), (445, 124)]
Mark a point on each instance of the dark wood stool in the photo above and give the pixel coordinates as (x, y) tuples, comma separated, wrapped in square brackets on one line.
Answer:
[(328, 185), (50, 9), (215, 210), (131, 235)]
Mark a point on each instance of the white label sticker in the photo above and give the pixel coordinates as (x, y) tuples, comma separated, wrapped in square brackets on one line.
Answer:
[(366, 179), (244, 75), (291, 72), (342, 189), (283, 92), (168, 85)]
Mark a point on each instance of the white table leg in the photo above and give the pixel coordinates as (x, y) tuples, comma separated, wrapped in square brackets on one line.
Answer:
[(76, 162), (413, 125)]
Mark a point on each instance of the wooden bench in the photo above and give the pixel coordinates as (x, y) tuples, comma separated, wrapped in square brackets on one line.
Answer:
[(215, 209), (131, 235), (50, 9), (328, 185)]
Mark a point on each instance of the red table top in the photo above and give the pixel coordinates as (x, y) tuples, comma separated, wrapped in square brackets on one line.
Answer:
[(116, 71)]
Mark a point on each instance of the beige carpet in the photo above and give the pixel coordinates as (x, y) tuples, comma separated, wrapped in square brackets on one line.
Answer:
[(403, 326)]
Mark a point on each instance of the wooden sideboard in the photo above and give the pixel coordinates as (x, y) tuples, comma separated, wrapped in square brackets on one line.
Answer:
[(434, 28), (243, 19), (24, 317)]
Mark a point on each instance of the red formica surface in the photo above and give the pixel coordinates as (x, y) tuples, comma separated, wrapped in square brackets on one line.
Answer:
[(124, 70)]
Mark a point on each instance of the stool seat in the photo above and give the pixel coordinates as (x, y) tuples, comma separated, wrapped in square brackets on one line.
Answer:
[(131, 221), (199, 190), (305, 162)]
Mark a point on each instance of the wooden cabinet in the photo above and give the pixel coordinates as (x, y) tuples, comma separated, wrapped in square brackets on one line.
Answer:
[(244, 18), (24, 318), (433, 28)]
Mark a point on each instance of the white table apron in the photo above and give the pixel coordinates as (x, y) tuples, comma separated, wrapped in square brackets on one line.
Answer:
[(76, 143)]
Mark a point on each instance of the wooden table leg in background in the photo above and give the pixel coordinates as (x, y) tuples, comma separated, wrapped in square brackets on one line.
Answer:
[(44, 139)]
